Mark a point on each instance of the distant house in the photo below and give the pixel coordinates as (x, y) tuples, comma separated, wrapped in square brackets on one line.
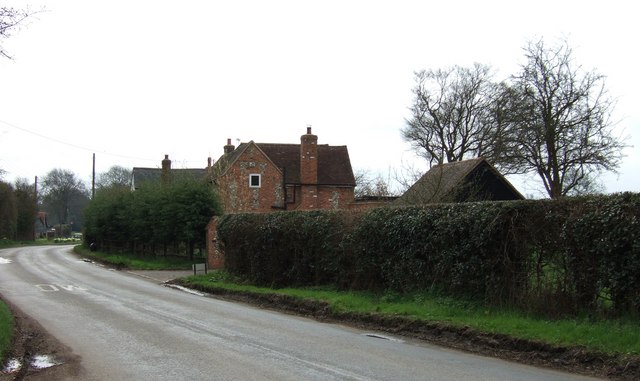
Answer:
[(141, 176), (265, 177), (467, 180)]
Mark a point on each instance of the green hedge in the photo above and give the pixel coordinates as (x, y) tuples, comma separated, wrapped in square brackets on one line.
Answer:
[(286, 248), (157, 216), (553, 257)]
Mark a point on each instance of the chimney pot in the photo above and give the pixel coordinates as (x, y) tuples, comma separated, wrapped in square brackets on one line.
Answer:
[(308, 130), (229, 147)]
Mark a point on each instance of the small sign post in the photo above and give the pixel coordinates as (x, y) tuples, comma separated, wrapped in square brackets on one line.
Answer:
[(199, 268)]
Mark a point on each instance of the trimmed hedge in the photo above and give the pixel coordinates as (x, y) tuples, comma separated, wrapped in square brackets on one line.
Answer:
[(155, 217), (285, 248), (552, 257)]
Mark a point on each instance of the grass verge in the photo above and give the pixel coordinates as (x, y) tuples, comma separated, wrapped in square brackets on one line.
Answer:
[(7, 243), (136, 262), (6, 330), (620, 336)]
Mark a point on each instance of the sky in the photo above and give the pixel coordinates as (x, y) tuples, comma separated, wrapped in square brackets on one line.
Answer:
[(132, 81)]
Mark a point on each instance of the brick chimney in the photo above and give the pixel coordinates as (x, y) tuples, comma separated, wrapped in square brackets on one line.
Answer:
[(229, 147), (166, 163), (166, 169), (309, 158), (309, 170)]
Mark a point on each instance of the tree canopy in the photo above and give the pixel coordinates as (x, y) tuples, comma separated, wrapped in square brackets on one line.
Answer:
[(8, 211), (64, 196), (563, 118), (115, 176), (451, 115)]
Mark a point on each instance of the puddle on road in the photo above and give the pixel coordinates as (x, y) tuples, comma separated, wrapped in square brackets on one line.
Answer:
[(43, 362), (38, 362), (13, 365)]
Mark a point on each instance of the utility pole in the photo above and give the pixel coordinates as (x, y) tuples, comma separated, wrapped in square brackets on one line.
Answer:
[(93, 178), (35, 199)]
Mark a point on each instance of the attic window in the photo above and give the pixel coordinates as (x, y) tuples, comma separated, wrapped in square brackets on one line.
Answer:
[(254, 181)]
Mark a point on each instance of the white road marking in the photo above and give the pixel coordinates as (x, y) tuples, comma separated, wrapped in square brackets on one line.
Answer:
[(53, 287)]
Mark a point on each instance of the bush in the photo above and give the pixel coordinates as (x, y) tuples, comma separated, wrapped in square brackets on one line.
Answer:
[(553, 257), (167, 215), (284, 248)]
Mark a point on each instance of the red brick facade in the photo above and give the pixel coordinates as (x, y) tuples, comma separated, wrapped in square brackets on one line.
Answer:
[(239, 195), (301, 176)]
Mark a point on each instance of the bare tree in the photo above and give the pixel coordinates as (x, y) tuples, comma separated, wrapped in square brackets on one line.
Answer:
[(10, 19), (64, 195), (564, 121), (369, 185), (116, 176), (453, 117)]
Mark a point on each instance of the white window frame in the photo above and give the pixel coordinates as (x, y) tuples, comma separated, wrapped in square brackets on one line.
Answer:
[(251, 177)]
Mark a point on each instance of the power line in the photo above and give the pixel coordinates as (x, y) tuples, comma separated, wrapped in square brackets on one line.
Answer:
[(76, 146)]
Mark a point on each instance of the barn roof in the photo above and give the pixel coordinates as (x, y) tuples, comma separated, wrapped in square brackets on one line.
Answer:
[(444, 182)]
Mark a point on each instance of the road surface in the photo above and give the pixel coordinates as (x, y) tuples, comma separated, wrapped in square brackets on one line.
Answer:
[(126, 327)]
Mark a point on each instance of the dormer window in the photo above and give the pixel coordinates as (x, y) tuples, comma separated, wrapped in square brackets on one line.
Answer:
[(254, 180)]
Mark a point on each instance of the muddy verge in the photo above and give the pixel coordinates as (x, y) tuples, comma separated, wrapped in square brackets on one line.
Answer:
[(30, 339), (570, 359)]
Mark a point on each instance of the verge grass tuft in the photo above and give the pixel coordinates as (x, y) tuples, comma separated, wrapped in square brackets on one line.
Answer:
[(137, 262), (6, 330)]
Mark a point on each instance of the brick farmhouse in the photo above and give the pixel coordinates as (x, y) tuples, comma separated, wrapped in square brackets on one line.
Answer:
[(266, 177)]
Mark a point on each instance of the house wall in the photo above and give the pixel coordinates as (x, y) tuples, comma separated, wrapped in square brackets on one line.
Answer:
[(482, 184), (321, 197), (334, 197), (239, 197), (215, 257)]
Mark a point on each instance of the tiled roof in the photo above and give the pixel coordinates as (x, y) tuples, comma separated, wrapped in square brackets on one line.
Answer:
[(142, 175), (334, 165)]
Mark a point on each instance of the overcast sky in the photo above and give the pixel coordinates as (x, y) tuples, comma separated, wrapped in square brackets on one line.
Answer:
[(132, 81)]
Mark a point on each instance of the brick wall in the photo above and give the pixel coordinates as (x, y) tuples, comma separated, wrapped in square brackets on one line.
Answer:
[(334, 197), (215, 257), (239, 197)]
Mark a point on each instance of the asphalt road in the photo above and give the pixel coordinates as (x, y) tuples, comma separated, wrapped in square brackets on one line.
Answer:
[(126, 327)]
